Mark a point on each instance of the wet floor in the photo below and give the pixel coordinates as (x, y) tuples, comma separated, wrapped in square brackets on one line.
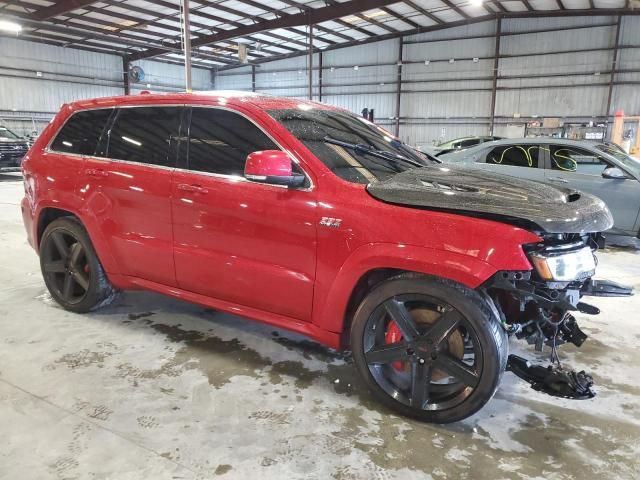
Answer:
[(156, 388)]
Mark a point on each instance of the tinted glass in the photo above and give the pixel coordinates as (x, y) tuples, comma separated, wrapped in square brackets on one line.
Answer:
[(5, 133), (314, 127), (220, 140), (569, 159), (82, 132), (467, 143), (515, 155), (145, 135), (629, 162)]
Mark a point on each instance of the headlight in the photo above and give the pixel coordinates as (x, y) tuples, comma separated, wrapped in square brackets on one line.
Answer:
[(562, 266)]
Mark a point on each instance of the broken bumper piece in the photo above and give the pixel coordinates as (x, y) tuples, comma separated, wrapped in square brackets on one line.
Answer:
[(605, 288), (553, 380)]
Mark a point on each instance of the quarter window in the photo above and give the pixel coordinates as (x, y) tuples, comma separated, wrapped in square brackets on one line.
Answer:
[(467, 143), (220, 140), (515, 155), (145, 135), (82, 132), (569, 159)]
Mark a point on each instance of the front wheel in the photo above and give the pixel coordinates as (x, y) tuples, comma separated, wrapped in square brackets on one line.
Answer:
[(428, 348)]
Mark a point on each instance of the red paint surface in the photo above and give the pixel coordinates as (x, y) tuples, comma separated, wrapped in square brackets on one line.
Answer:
[(268, 163), (248, 248)]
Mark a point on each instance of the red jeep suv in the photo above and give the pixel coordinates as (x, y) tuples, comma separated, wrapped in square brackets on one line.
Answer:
[(312, 219)]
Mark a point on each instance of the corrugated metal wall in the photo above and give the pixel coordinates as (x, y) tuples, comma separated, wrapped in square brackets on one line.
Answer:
[(440, 99), (28, 100)]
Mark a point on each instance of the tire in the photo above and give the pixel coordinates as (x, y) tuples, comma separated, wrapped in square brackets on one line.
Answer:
[(71, 269), (445, 315)]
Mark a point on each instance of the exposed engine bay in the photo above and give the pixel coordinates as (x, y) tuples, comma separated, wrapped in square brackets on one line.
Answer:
[(536, 306)]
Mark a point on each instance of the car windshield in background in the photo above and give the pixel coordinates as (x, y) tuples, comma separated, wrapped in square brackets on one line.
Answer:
[(6, 134), (351, 147), (626, 160)]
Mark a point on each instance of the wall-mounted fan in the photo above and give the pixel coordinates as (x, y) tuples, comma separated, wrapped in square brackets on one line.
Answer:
[(136, 74)]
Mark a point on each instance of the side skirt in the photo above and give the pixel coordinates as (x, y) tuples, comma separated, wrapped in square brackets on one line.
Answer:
[(310, 330)]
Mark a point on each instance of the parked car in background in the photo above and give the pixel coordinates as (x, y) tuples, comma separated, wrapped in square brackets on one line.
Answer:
[(12, 149), (457, 144), (601, 169)]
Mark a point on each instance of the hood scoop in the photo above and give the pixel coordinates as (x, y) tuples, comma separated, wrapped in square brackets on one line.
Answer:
[(474, 192)]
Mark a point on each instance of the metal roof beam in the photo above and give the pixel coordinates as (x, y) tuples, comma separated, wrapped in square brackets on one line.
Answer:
[(313, 16), (59, 8), (484, 18), (455, 8), (422, 11)]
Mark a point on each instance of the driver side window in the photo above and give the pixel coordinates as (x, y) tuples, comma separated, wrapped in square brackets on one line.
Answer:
[(571, 159), (220, 140)]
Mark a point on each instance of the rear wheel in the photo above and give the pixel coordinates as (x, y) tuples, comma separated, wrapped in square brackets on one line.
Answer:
[(428, 348), (71, 269)]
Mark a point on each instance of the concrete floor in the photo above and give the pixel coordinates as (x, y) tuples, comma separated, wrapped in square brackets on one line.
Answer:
[(152, 388)]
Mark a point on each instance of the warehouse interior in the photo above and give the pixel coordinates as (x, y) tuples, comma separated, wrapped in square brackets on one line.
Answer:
[(155, 387)]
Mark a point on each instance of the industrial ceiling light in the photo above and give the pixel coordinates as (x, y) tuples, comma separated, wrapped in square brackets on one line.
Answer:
[(476, 3), (7, 26)]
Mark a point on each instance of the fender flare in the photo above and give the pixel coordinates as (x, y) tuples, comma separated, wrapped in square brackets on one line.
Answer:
[(464, 269), (89, 222)]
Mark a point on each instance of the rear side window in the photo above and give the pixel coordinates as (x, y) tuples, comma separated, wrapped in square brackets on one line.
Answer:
[(467, 143), (515, 155), (220, 140), (145, 135), (82, 132)]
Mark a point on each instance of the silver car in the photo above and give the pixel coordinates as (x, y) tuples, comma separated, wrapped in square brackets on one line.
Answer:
[(600, 169)]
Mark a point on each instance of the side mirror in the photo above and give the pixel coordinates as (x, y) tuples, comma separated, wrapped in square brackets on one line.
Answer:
[(272, 167), (614, 173)]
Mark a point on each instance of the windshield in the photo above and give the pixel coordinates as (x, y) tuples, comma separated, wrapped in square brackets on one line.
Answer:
[(6, 134), (627, 161), (353, 148)]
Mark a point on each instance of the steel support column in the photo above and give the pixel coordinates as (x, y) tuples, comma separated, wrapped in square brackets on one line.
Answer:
[(496, 67), (320, 76), (398, 86), (253, 78), (614, 66), (125, 75), (310, 94), (186, 40)]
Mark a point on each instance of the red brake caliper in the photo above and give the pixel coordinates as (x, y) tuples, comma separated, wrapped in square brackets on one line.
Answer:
[(394, 335)]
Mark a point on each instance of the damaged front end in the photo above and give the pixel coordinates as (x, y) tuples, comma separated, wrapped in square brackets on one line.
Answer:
[(536, 306)]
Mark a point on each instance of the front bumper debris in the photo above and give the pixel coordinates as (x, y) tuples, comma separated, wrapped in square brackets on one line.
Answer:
[(553, 380), (605, 288), (539, 312)]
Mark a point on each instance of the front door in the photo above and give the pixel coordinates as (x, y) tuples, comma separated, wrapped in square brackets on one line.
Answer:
[(127, 190), (234, 240), (581, 169)]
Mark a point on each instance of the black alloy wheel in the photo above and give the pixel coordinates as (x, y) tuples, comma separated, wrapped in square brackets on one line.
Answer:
[(437, 362), (71, 269), (428, 348), (66, 266)]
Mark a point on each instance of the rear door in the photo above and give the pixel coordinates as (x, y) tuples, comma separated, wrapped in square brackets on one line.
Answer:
[(128, 187), (235, 240), (524, 160), (581, 169)]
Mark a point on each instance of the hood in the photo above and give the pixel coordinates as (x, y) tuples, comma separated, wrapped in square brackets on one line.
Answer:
[(473, 192)]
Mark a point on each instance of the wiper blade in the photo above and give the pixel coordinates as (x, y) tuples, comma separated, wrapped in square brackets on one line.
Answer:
[(364, 149)]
